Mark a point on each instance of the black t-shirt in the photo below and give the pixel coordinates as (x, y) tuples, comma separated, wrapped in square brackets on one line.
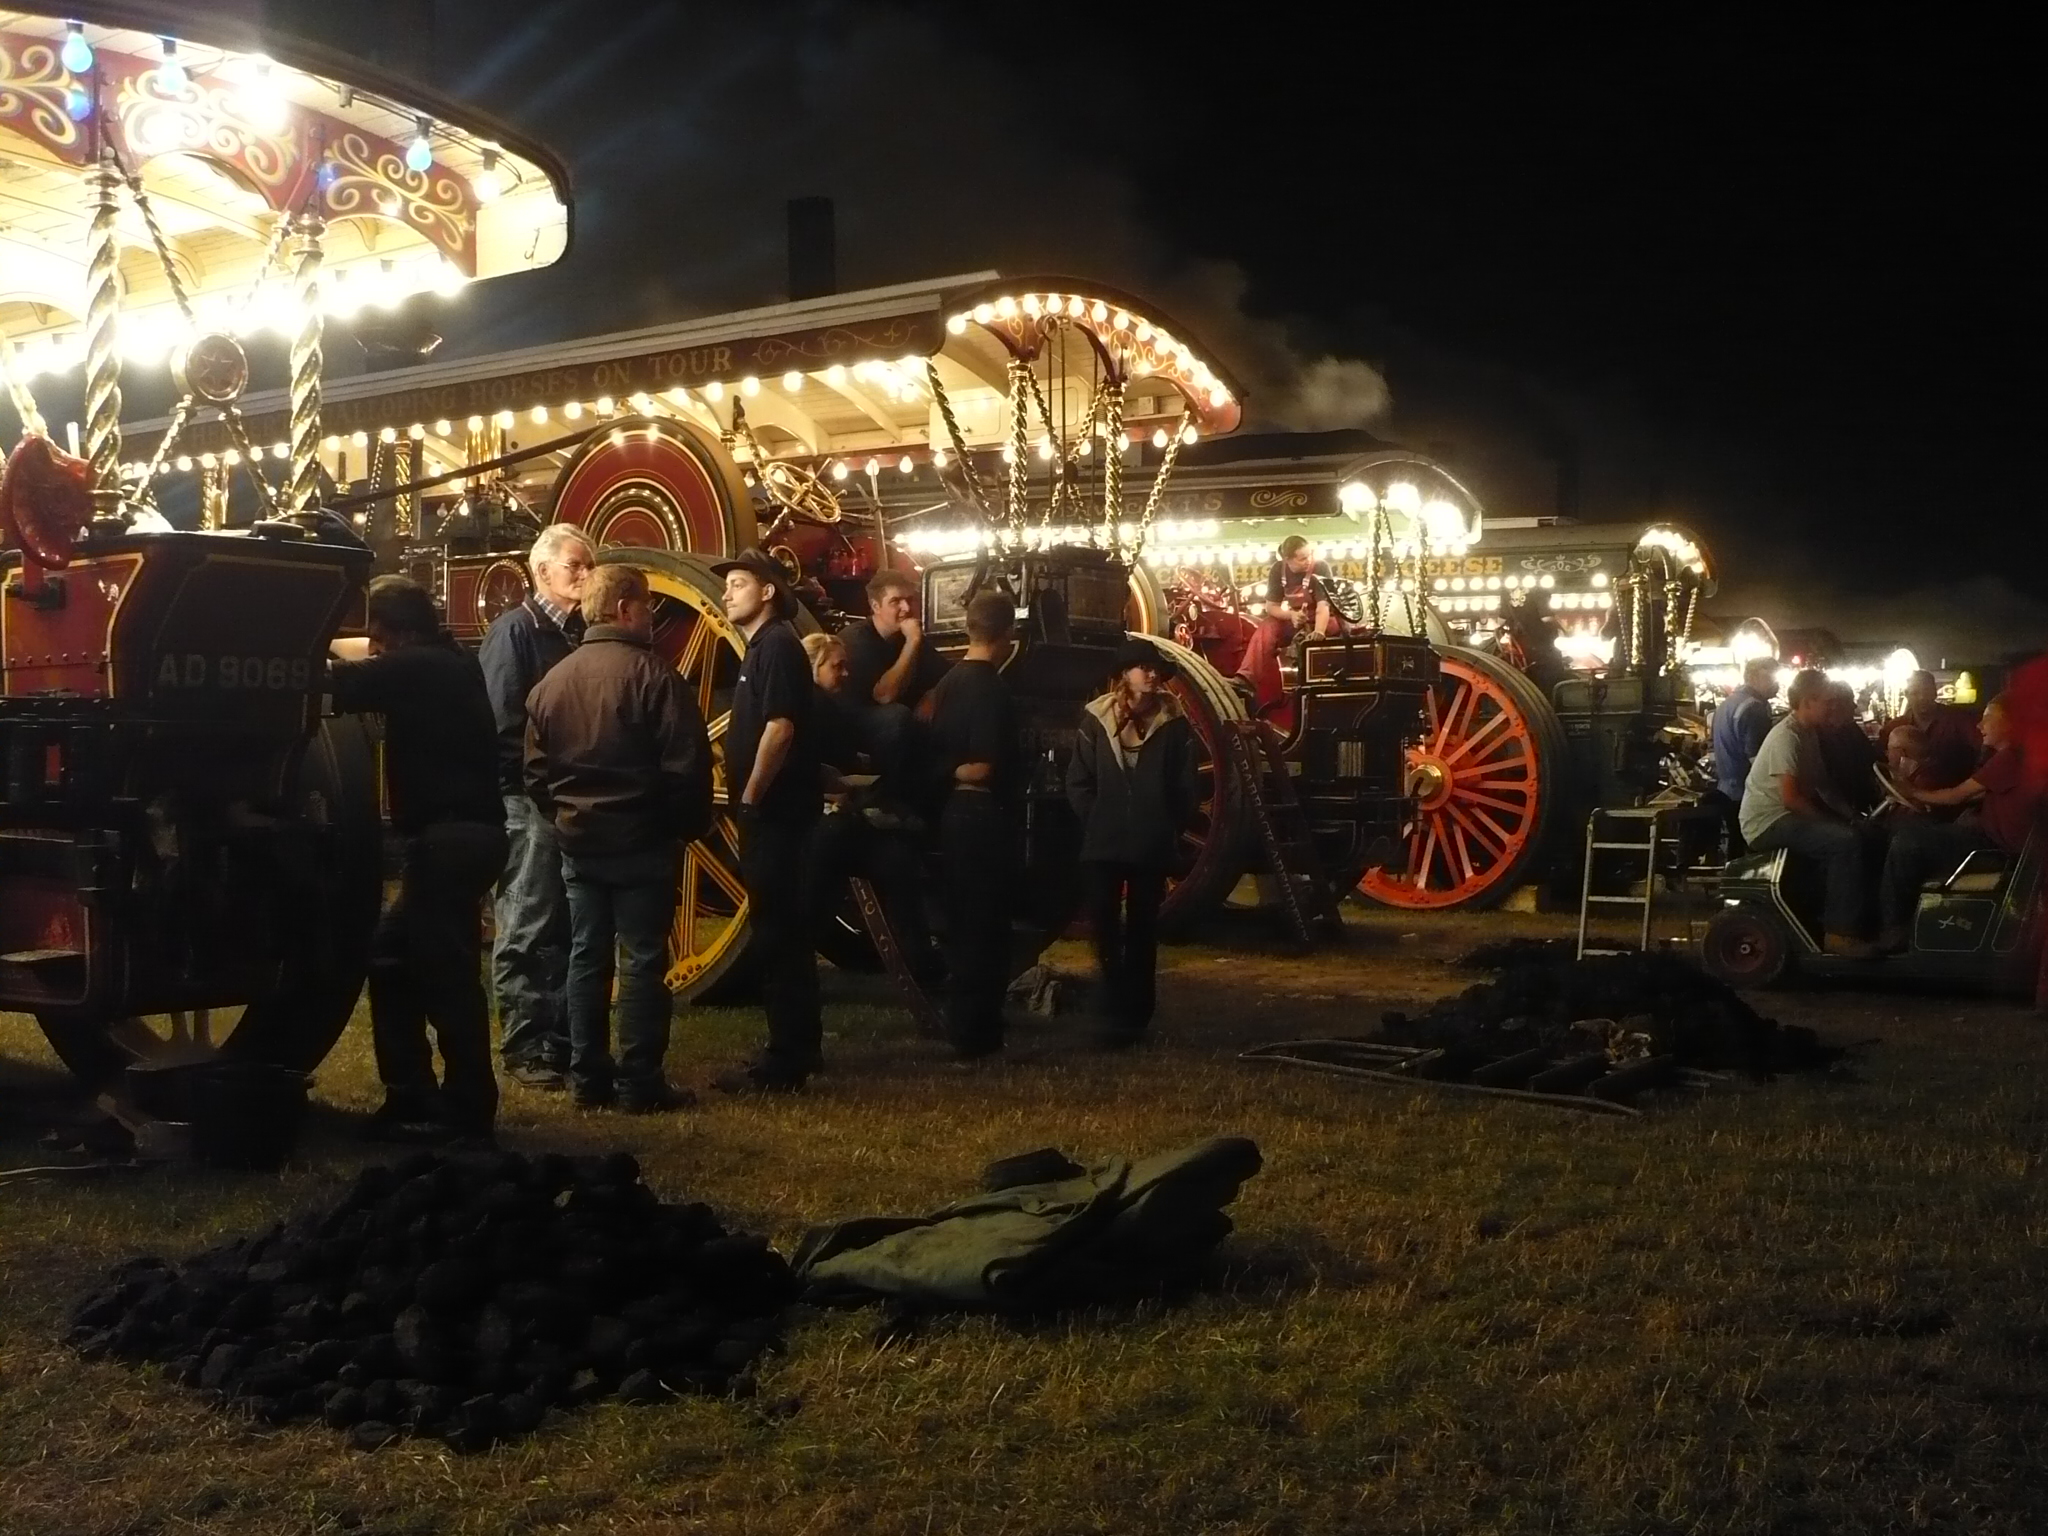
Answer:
[(1299, 590), (975, 721), (440, 734), (870, 653), (775, 684), (838, 731)]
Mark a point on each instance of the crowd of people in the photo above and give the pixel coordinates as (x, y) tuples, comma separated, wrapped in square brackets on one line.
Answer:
[(1808, 783), (567, 764)]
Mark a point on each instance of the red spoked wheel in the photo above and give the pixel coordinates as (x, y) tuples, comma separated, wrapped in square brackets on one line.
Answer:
[(1485, 775), (645, 484), (1215, 848)]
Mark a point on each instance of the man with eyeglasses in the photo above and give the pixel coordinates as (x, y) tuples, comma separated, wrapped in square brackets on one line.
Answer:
[(530, 955)]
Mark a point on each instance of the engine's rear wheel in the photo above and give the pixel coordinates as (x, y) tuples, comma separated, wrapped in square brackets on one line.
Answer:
[(1487, 778), (331, 889), (647, 484), (1215, 849)]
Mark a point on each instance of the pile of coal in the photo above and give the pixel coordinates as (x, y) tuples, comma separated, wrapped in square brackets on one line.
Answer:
[(456, 1297), (1659, 1003)]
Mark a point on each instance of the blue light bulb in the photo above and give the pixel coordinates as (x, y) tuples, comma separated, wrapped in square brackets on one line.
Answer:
[(419, 154), (329, 173), (77, 54), (78, 103), (169, 72)]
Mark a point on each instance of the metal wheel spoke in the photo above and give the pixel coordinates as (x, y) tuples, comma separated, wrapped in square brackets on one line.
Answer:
[(1474, 738), (716, 872), (1498, 804), (1467, 823)]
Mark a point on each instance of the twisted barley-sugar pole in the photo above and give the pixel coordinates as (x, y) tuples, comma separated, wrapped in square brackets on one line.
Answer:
[(102, 357), (305, 361)]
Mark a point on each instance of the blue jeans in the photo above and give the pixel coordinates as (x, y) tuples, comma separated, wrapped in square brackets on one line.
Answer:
[(530, 955), (625, 900), (1838, 848)]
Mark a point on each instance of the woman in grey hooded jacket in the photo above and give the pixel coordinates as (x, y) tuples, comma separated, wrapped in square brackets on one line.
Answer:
[(1132, 782)]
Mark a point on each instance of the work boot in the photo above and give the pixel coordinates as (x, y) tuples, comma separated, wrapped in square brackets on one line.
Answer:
[(1894, 941), (755, 1077), (535, 1074), (1847, 947), (657, 1099)]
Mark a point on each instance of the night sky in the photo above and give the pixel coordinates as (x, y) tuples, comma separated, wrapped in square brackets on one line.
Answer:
[(1765, 283)]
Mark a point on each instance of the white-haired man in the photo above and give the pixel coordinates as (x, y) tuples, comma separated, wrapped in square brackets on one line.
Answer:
[(530, 956)]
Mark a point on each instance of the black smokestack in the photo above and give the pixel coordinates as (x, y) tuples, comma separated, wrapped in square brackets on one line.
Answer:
[(813, 248)]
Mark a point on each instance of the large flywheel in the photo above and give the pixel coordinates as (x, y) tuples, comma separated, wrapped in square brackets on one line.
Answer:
[(1486, 774), (647, 484), (330, 884), (1214, 850)]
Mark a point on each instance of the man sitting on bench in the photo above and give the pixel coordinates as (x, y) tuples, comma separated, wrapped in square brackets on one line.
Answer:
[(2000, 814), (1788, 803)]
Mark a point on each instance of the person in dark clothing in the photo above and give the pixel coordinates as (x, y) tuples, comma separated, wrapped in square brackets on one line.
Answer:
[(771, 772), (530, 953), (1848, 752), (1131, 780), (890, 673), (441, 777), (976, 725), (618, 760), (1297, 598)]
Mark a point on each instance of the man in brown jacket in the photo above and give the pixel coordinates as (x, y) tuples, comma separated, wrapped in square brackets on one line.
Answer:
[(618, 760)]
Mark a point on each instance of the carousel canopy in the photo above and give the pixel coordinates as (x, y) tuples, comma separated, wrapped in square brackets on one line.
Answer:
[(233, 133)]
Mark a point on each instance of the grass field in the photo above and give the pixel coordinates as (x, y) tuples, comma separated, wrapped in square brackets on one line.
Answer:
[(1812, 1306)]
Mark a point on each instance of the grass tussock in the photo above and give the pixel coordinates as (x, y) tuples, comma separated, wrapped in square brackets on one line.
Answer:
[(1817, 1306)]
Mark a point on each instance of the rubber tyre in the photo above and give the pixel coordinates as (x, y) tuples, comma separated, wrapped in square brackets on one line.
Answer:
[(1223, 851), (328, 943), (1746, 948)]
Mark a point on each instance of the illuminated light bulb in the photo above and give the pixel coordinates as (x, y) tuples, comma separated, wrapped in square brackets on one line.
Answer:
[(1009, 454), (983, 313), (442, 427), (573, 411), (503, 419), (1599, 578), (538, 414), (1075, 307), (1087, 446), (904, 464), (938, 458), (256, 453), (1006, 307), (1144, 330), (231, 458), (793, 381), (1439, 584), (750, 385), (1457, 583), (170, 73), (1493, 583), (641, 404), (1556, 601), (956, 324), (208, 461), (1547, 582), (605, 405), (77, 104), (387, 435), (476, 423), (1122, 321), (1098, 312), (332, 445), (184, 463), (874, 467), (487, 186), (419, 154), (1031, 305), (714, 391), (77, 52), (839, 470), (360, 439), (1159, 438), (836, 374), (1045, 448), (1188, 435)]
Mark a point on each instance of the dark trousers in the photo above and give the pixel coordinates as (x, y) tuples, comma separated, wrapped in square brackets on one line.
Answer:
[(1921, 850), (1838, 848), (975, 852), (900, 747), (1123, 915), (621, 909), (426, 967), (776, 864)]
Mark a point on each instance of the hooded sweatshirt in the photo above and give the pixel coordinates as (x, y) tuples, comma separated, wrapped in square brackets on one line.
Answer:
[(1133, 783)]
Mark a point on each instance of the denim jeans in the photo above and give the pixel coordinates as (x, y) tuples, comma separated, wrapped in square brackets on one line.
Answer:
[(627, 901), (1922, 849), (1838, 848), (426, 968), (530, 956)]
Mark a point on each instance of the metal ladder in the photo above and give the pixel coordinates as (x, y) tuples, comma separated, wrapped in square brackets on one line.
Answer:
[(1284, 832), (1649, 817)]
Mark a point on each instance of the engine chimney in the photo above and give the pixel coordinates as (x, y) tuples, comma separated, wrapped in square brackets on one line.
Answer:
[(813, 253)]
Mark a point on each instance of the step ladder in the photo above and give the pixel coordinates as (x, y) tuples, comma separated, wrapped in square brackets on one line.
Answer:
[(1306, 895), (1604, 834), (916, 1001)]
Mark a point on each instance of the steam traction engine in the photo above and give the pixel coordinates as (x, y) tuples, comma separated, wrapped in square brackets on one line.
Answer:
[(190, 858)]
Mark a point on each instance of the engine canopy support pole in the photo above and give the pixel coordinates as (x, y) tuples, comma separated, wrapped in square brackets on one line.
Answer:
[(102, 356), (306, 345)]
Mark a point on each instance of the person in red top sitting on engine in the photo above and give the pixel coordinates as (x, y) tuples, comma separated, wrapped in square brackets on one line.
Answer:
[(1952, 747), (2001, 809), (1297, 598)]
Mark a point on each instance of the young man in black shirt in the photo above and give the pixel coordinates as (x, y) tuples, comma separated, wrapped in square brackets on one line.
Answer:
[(772, 775), (976, 724), (890, 671), (441, 774)]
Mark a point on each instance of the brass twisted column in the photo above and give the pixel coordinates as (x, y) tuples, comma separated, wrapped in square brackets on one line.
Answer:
[(102, 357), (305, 364)]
